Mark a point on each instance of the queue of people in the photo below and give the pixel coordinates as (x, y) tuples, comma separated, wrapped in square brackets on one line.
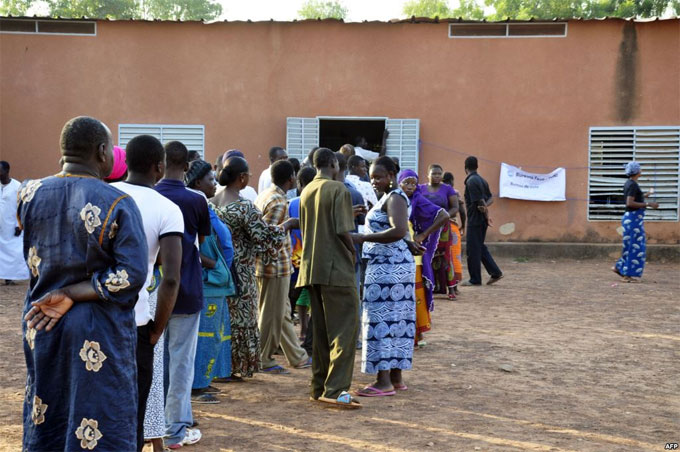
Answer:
[(148, 290)]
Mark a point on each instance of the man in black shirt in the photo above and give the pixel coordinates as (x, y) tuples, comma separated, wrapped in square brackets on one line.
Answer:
[(478, 199)]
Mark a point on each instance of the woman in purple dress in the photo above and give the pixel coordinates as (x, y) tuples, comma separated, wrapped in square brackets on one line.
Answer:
[(445, 197), (428, 219)]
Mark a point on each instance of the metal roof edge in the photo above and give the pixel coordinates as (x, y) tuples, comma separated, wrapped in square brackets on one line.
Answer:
[(412, 19)]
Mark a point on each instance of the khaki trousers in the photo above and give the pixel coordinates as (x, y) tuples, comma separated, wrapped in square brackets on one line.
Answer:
[(275, 323), (335, 322)]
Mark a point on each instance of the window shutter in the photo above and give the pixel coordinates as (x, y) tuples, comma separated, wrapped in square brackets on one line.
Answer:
[(302, 134), (192, 136), (403, 141), (657, 149)]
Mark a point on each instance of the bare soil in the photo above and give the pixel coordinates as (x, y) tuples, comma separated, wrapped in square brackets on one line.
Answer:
[(559, 355)]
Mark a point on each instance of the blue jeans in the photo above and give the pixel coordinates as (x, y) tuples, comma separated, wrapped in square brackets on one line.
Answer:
[(181, 337)]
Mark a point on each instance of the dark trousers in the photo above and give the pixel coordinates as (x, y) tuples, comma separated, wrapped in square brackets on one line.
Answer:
[(144, 376), (293, 295), (308, 343), (478, 254), (335, 320)]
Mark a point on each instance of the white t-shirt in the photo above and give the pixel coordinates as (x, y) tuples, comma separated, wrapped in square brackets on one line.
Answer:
[(161, 217), (363, 187), (249, 193), (265, 180), (366, 154)]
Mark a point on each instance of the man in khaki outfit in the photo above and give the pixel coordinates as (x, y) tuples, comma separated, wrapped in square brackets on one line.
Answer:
[(327, 269), (273, 279)]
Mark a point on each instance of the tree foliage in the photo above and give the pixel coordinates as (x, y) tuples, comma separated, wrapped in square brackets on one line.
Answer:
[(182, 9), (14, 7), (319, 9), (549, 9), (468, 9), (100, 9), (428, 8), (121, 9)]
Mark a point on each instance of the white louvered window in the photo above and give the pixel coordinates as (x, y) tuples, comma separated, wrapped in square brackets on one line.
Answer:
[(403, 141), (657, 149), (303, 134), (192, 136)]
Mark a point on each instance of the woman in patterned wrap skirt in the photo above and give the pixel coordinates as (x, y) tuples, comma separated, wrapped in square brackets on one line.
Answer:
[(389, 316), (250, 236)]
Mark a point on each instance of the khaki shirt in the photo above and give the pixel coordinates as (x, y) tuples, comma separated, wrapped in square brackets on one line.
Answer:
[(325, 212)]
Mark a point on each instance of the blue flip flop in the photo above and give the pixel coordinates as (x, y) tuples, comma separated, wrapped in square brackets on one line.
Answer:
[(344, 400), (275, 370)]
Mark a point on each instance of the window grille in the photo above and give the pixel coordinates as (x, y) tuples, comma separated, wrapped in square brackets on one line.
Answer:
[(508, 30), (657, 149), (192, 136), (54, 27), (302, 134)]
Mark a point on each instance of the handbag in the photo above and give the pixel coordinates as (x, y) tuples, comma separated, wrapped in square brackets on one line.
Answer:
[(217, 281)]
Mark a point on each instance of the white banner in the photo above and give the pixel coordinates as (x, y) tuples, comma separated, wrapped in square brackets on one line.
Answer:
[(519, 184)]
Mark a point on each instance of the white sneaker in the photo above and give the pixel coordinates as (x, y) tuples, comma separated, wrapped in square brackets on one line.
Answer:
[(192, 436)]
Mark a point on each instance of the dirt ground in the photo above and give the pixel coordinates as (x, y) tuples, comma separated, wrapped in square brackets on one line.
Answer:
[(557, 356)]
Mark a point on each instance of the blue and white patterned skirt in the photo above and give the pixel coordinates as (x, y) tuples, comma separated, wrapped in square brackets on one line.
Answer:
[(389, 308), (632, 261)]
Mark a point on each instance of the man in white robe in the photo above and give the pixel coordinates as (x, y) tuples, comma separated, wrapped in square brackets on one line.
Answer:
[(12, 264)]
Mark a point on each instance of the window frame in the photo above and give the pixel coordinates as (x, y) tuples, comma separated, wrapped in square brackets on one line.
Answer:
[(37, 28), (507, 30), (305, 132)]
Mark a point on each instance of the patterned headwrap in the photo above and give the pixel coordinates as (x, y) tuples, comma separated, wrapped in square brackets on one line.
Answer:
[(197, 170), (405, 174), (119, 165), (632, 168)]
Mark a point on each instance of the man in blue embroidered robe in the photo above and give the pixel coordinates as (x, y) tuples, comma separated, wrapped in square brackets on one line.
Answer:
[(86, 250)]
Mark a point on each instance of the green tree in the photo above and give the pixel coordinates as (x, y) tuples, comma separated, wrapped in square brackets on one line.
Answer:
[(14, 7), (429, 8), (630, 8), (549, 9), (125, 9), (468, 9), (181, 9), (100, 9), (319, 9)]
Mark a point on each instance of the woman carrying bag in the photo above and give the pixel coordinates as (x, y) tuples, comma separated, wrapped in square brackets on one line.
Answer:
[(213, 352)]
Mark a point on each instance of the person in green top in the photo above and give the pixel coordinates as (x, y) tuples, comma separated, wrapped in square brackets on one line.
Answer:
[(327, 270)]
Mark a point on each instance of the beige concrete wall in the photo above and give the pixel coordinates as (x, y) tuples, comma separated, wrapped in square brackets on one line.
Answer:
[(523, 101)]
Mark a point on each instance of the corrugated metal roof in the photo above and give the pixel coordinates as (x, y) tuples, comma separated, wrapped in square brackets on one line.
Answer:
[(412, 20)]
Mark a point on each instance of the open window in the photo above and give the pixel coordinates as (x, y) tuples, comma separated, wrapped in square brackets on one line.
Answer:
[(333, 131)]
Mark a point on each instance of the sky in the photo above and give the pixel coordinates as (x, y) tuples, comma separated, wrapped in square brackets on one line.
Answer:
[(358, 10)]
